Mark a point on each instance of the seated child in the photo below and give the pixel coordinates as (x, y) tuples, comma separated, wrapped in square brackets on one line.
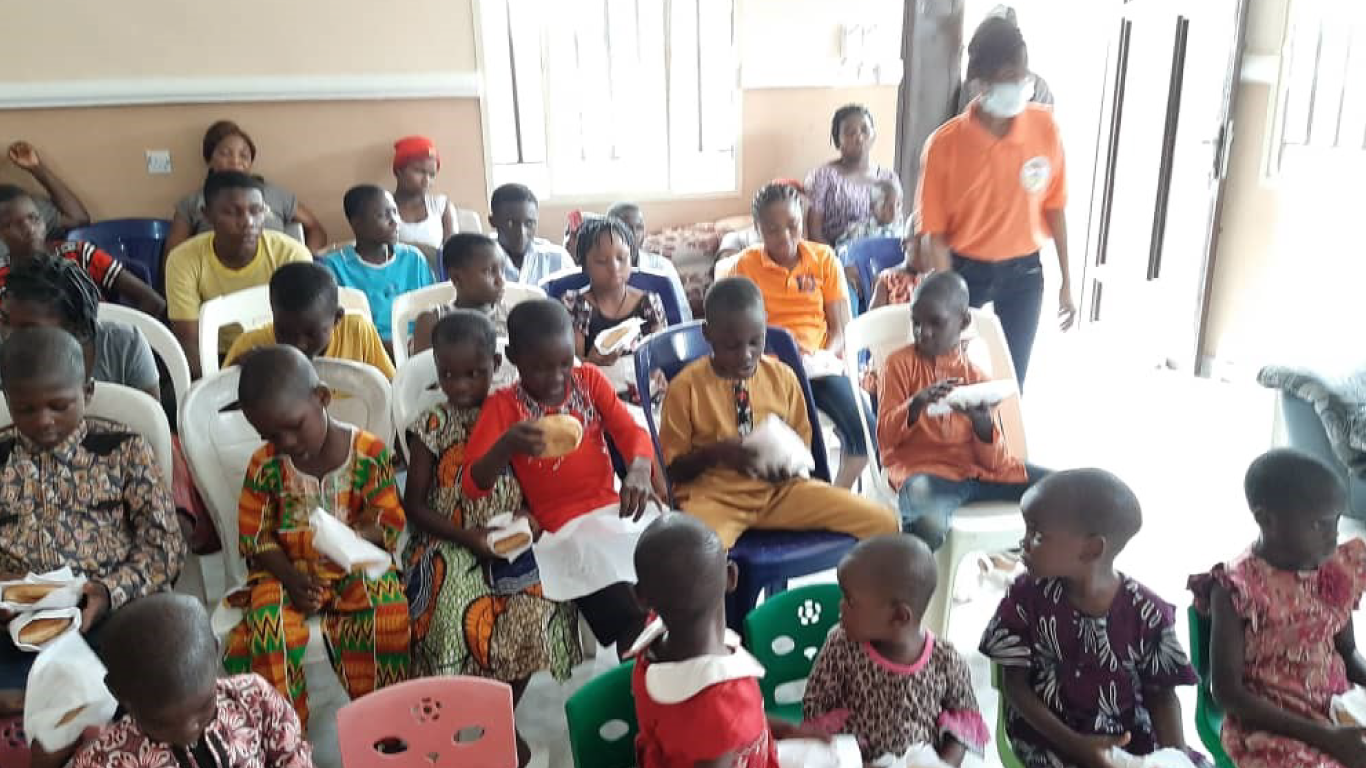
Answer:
[(633, 217), (938, 463), (308, 316), (696, 688), (574, 490), (162, 659), (514, 214), (24, 232), (78, 491), (883, 678), (448, 555), (475, 269), (312, 461), (714, 403), (377, 264), (1281, 638), (884, 220), (604, 254), (896, 285), (1089, 657)]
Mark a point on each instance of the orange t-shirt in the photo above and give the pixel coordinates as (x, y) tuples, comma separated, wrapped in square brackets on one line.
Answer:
[(986, 195), (796, 298)]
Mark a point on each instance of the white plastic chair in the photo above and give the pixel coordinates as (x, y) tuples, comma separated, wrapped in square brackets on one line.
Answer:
[(162, 341), (468, 221), (406, 309), (415, 390), (983, 527), (360, 395), (250, 308)]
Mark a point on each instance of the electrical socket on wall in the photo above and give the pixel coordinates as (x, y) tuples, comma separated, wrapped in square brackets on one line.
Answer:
[(158, 161)]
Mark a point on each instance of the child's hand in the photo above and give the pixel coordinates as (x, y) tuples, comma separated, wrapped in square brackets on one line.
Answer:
[(1094, 750), (637, 491), (96, 599), (782, 729), (307, 593), (1347, 744), (931, 394), (981, 418), (372, 533), (531, 521), (597, 358), (525, 438), (24, 155), (476, 540), (734, 455)]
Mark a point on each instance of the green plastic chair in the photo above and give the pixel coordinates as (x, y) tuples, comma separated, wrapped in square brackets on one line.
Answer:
[(785, 633), (602, 721), (1209, 716), (1003, 746)]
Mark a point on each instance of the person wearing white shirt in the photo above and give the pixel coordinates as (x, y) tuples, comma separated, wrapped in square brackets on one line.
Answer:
[(514, 214)]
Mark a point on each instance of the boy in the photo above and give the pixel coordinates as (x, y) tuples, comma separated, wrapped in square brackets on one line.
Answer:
[(713, 403), (377, 263), (514, 214), (939, 462), (238, 254), (571, 495), (311, 461), (162, 661), (634, 219), (61, 210), (24, 232), (80, 492), (307, 315)]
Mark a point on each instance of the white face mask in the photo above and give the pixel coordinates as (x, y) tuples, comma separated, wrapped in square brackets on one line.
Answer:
[(1007, 99)]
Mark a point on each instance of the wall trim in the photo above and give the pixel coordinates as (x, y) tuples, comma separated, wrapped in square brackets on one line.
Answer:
[(214, 90), (822, 74)]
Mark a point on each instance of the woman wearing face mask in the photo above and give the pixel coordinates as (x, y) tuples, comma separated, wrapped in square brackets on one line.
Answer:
[(972, 87), (992, 191)]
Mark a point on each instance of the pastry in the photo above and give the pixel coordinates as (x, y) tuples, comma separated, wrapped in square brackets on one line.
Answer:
[(27, 594), (40, 631), (511, 543), (562, 434)]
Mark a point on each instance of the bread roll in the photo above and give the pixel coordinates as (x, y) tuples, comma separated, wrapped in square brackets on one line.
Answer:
[(511, 543), (613, 336), (72, 715), (562, 434), (27, 594), (40, 631)]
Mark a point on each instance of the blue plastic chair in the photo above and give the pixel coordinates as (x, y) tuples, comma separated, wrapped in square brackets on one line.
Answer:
[(765, 559), (871, 255), (137, 243), (676, 307)]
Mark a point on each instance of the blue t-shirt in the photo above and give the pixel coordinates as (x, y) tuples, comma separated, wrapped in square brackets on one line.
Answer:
[(382, 283)]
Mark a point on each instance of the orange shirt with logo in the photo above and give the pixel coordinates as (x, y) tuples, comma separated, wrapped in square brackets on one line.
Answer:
[(796, 298), (986, 195)]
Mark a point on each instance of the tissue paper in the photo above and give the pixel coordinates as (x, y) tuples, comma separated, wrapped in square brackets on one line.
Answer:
[(65, 591), (841, 752), (63, 620), (343, 546), (779, 449), (1162, 758), (66, 693)]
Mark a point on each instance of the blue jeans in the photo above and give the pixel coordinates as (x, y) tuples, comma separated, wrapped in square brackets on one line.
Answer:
[(927, 502), (834, 397), (1014, 288)]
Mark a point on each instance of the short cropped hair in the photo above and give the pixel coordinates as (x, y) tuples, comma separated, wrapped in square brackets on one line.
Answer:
[(224, 181), (299, 285)]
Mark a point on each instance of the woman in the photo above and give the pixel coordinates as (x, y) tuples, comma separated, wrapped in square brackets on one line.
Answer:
[(992, 191), (426, 219), (228, 148), (841, 190)]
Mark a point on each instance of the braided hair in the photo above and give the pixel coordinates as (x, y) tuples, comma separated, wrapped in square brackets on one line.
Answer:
[(775, 192), (63, 285), (843, 113), (996, 44), (594, 228)]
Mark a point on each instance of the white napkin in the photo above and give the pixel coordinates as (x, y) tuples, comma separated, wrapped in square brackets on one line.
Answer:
[(972, 395), (1162, 758), (841, 752), (778, 448), (590, 552), (23, 619), (632, 326), (343, 546), (918, 756), (69, 596), (66, 676), (505, 525), (822, 362), (1349, 708)]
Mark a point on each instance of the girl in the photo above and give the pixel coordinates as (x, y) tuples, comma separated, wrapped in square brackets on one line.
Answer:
[(426, 219), (841, 190), (462, 623), (1281, 640)]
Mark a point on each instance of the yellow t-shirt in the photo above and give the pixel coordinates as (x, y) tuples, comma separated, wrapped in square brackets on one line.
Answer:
[(354, 338), (194, 274)]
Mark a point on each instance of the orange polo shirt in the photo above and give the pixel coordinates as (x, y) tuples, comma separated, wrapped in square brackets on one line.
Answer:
[(986, 195), (796, 298)]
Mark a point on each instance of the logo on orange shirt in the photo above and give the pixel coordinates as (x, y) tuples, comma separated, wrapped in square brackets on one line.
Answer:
[(1035, 173)]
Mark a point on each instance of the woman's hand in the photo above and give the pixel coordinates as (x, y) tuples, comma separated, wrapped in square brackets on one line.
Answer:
[(25, 155), (1067, 309)]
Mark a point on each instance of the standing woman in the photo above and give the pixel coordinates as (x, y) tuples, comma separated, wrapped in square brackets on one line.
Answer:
[(992, 191), (841, 190), (228, 148), (426, 219)]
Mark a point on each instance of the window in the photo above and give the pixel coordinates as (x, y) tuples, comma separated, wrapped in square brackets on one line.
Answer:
[(1321, 106), (593, 98)]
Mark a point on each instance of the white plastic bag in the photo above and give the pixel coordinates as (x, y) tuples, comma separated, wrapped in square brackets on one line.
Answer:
[(972, 395), (917, 756), (841, 752), (506, 525), (66, 693), (619, 337), (778, 448), (822, 362), (343, 546), (1162, 758), (1349, 708), (68, 595), (18, 623), (590, 552)]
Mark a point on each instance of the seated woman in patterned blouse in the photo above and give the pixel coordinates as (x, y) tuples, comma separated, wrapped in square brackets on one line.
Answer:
[(75, 491)]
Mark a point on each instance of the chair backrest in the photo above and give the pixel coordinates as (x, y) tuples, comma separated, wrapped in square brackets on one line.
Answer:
[(871, 255), (250, 308), (295, 230), (360, 395), (159, 337), (1209, 716), (672, 348), (430, 722), (645, 279), (132, 241), (785, 633), (132, 408), (415, 390), (407, 307), (468, 221), (602, 721)]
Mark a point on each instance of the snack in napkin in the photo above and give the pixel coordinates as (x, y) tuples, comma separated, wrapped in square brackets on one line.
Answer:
[(510, 535), (1162, 758), (840, 752), (343, 546), (66, 693), (1349, 708), (619, 337), (41, 591), (33, 631), (779, 449)]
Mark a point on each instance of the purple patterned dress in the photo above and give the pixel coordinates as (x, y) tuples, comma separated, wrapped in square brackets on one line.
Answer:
[(842, 200)]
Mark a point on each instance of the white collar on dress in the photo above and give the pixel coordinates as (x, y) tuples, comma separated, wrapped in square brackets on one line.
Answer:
[(674, 682)]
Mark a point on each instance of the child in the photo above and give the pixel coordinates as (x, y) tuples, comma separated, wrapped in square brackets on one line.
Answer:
[(24, 232), (573, 491), (712, 405), (1089, 657), (312, 461), (896, 285), (884, 220), (882, 677), (697, 696), (633, 217), (308, 316), (162, 659), (1281, 639), (236, 255), (80, 492), (426, 219), (377, 263), (938, 463), (519, 631), (514, 214), (475, 268)]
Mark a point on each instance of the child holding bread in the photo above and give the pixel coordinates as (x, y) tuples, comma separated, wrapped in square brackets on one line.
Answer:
[(453, 553), (551, 429)]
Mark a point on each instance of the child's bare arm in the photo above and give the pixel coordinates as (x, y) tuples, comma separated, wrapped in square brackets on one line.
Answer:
[(421, 469), (1346, 645), (879, 295), (1089, 750), (952, 752), (422, 331), (728, 454), (1166, 712)]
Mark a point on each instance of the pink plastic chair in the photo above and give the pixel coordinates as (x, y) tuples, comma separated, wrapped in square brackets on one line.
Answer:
[(13, 743), (430, 723)]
